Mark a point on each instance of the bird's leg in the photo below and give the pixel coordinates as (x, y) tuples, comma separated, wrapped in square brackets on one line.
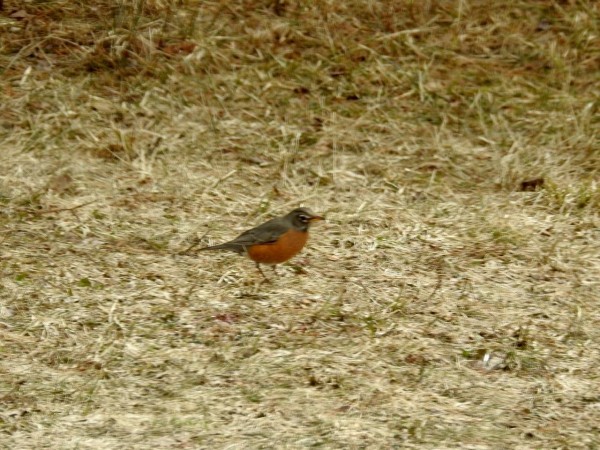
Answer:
[(261, 272), (274, 267)]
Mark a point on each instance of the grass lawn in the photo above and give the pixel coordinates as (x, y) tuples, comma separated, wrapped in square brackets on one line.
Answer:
[(450, 300)]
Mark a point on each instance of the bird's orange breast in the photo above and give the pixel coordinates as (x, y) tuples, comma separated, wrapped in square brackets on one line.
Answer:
[(286, 247)]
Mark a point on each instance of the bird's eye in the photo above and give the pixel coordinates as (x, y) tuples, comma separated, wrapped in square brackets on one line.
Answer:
[(304, 218)]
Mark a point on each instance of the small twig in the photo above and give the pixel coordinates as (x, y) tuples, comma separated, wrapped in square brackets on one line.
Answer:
[(438, 285), (7, 233), (54, 210), (194, 244)]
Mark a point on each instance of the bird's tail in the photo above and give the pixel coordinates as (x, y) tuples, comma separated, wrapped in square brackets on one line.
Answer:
[(225, 246)]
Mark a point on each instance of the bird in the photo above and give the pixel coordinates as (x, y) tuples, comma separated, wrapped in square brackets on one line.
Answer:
[(274, 241)]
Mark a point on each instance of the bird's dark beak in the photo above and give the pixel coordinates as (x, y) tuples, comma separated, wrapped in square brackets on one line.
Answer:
[(316, 218)]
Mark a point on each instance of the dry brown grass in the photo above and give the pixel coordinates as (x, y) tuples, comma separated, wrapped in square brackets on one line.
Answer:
[(445, 304)]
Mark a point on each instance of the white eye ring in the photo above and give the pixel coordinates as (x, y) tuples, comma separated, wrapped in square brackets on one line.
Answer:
[(304, 218)]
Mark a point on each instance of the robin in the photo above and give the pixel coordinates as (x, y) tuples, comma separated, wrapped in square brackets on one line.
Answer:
[(274, 241)]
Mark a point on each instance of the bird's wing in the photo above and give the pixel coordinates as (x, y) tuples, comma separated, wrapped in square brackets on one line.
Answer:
[(266, 233), (263, 234)]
